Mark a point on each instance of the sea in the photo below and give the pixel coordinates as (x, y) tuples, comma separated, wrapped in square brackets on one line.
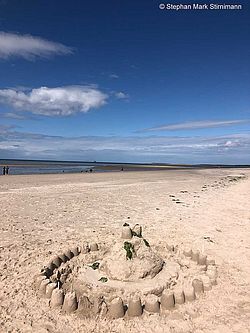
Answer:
[(29, 167)]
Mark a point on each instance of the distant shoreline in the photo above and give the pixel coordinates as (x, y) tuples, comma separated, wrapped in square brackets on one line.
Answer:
[(71, 168)]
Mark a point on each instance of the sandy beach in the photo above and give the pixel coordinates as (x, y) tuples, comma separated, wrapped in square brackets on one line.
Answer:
[(42, 215)]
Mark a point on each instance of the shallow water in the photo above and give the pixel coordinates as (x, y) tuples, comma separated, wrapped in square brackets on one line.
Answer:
[(18, 167)]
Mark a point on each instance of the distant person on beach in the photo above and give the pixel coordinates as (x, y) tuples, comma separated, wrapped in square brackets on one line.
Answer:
[(4, 170), (7, 170)]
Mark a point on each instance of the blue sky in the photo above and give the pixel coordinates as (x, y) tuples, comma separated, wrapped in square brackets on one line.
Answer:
[(124, 81)]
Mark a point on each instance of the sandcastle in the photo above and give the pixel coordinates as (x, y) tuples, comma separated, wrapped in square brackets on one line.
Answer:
[(125, 279)]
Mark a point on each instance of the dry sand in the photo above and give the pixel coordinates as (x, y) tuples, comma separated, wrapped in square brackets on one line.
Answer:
[(44, 214)]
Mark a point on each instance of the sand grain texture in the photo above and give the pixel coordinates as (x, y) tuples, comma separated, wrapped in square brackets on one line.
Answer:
[(42, 216)]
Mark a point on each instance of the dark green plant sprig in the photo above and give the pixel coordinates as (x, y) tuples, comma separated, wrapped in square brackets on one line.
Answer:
[(129, 248), (95, 265), (146, 242), (136, 235), (103, 279)]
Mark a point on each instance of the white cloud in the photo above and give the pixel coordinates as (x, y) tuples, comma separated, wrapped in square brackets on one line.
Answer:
[(121, 95), (60, 101), (232, 143), (29, 47), (234, 149), (197, 125), (114, 76), (13, 115)]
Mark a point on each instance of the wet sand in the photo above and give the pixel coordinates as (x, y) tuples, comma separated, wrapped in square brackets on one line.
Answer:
[(43, 214)]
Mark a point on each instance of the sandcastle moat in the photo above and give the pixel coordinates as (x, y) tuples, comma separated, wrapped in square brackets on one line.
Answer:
[(126, 278)]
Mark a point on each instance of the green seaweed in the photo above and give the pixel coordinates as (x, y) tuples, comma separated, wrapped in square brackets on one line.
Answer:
[(146, 242), (129, 248), (95, 265), (103, 279), (136, 235)]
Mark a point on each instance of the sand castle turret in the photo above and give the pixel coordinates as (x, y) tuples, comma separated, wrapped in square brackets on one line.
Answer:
[(189, 293), (152, 304), (126, 232), (93, 247), (49, 289), (70, 302), (43, 286), (75, 251), (116, 309), (134, 307), (69, 254), (57, 298), (198, 286), (179, 296), (167, 300)]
